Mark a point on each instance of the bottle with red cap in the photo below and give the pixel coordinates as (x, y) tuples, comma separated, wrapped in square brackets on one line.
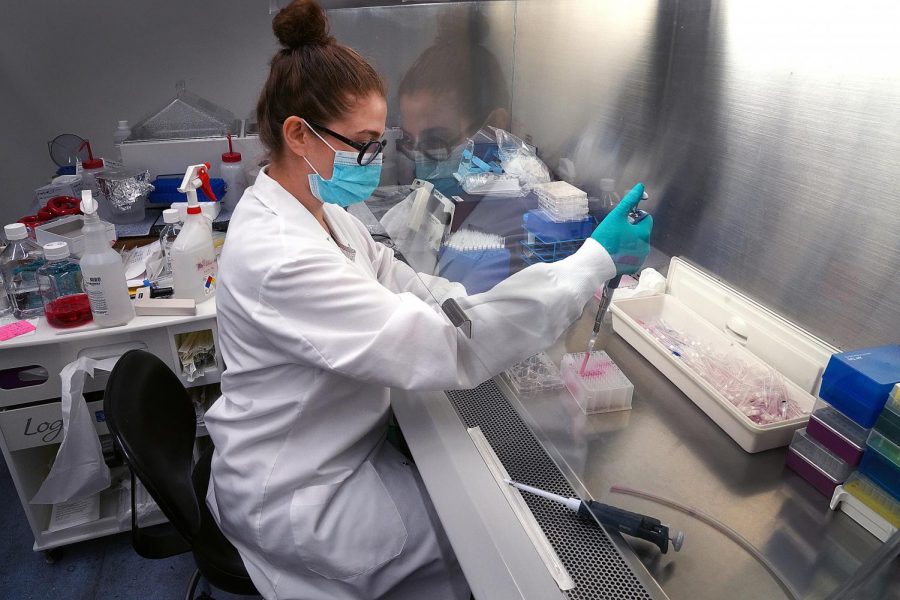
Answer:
[(194, 266), (90, 168), (235, 179)]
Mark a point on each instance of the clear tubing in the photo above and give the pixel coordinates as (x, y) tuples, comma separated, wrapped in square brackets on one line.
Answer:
[(716, 524)]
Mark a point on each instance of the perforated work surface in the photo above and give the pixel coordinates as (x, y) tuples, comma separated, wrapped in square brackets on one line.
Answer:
[(594, 563)]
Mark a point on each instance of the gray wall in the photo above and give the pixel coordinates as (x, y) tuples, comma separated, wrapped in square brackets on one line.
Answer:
[(768, 133), (79, 67)]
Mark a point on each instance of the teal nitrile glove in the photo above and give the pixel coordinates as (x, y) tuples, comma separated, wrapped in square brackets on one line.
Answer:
[(627, 244)]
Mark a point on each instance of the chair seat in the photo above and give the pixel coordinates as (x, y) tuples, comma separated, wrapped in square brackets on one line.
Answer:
[(217, 558)]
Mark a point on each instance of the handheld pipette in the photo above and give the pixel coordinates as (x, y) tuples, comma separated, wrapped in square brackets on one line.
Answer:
[(635, 215), (633, 524)]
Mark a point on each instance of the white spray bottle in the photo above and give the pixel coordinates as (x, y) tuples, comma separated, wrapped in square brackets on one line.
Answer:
[(102, 270), (194, 267)]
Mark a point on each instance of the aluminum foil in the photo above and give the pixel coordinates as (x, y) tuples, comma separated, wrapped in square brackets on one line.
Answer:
[(123, 190)]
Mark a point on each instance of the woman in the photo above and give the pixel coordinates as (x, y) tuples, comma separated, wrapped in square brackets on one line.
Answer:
[(316, 322), (454, 88)]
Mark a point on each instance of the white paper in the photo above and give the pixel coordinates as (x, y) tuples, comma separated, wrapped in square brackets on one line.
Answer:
[(76, 512), (136, 265)]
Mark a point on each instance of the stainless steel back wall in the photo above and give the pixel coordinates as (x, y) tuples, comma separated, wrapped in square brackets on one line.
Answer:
[(768, 135)]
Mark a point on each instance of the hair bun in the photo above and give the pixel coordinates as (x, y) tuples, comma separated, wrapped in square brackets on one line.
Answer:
[(301, 23)]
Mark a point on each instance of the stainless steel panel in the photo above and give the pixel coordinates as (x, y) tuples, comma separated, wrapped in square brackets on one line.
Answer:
[(667, 446), (769, 137), (394, 37)]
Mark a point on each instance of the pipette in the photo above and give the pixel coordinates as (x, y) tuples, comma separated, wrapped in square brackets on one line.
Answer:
[(633, 524), (636, 215)]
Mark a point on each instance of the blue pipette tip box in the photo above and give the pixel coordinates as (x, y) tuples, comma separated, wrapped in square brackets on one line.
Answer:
[(477, 270), (859, 382)]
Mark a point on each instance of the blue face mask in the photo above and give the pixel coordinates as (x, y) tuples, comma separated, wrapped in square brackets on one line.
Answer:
[(350, 182)]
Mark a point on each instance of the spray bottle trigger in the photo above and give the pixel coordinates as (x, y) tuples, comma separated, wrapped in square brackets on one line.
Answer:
[(205, 185)]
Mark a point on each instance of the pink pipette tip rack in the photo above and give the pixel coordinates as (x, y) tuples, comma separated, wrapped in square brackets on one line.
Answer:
[(597, 384)]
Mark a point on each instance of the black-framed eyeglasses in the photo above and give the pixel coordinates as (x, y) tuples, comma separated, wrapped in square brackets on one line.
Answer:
[(368, 151)]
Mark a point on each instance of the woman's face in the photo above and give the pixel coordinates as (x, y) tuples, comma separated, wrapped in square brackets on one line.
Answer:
[(364, 122), (431, 123)]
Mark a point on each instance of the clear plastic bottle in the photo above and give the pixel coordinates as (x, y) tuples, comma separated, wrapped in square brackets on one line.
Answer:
[(167, 237), (20, 262), (90, 168), (103, 271), (5, 306), (232, 170), (122, 133), (194, 266), (65, 303)]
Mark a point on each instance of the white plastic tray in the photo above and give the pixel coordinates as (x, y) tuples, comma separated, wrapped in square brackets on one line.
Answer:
[(726, 320)]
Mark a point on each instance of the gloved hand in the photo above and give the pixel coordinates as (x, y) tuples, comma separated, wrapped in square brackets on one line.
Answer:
[(627, 244)]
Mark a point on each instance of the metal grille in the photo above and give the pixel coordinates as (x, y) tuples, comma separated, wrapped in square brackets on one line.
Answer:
[(594, 563)]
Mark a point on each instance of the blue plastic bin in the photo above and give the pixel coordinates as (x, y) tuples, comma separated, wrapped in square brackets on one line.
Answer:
[(858, 382), (877, 465), (478, 270), (539, 225), (166, 191)]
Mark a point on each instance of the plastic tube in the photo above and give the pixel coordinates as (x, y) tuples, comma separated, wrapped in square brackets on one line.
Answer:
[(716, 524)]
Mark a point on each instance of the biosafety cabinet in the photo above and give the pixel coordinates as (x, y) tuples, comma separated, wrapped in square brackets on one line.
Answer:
[(31, 423)]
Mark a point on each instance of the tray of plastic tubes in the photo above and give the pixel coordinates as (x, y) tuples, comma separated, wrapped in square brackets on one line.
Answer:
[(596, 382), (750, 370)]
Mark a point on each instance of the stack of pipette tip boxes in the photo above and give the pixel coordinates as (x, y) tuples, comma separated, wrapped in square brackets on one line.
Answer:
[(476, 259), (856, 425), (559, 226), (598, 385)]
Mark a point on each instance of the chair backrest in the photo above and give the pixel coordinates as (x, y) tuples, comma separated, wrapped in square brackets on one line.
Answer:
[(152, 418)]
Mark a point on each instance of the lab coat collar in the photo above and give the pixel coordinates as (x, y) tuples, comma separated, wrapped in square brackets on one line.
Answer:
[(286, 205), (282, 202)]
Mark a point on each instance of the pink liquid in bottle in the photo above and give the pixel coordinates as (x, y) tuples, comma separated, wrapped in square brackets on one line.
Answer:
[(69, 311)]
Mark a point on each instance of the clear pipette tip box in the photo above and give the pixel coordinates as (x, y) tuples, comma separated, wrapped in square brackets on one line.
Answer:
[(602, 388), (534, 375)]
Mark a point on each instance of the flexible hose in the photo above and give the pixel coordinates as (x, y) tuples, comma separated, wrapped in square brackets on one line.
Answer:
[(716, 524)]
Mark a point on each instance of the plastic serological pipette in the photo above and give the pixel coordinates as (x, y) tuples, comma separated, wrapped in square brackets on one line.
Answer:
[(635, 215), (633, 524)]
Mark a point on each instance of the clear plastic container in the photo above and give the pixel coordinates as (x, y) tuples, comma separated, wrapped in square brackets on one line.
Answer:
[(562, 201), (65, 303), (232, 170), (5, 306), (123, 195), (881, 463), (888, 423), (816, 464), (535, 375), (20, 262), (837, 432), (103, 272), (167, 236), (871, 494), (602, 388)]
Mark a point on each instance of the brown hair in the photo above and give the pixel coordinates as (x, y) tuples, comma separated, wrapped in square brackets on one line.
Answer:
[(312, 76)]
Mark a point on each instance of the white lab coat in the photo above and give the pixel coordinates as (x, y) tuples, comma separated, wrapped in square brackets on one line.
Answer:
[(313, 332)]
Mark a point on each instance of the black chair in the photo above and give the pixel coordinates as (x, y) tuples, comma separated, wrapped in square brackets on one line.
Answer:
[(152, 419)]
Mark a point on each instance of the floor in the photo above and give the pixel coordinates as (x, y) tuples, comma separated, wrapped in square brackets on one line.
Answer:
[(104, 568)]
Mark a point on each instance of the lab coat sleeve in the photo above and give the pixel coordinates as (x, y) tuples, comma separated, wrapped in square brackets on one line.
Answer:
[(320, 310), (397, 276)]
